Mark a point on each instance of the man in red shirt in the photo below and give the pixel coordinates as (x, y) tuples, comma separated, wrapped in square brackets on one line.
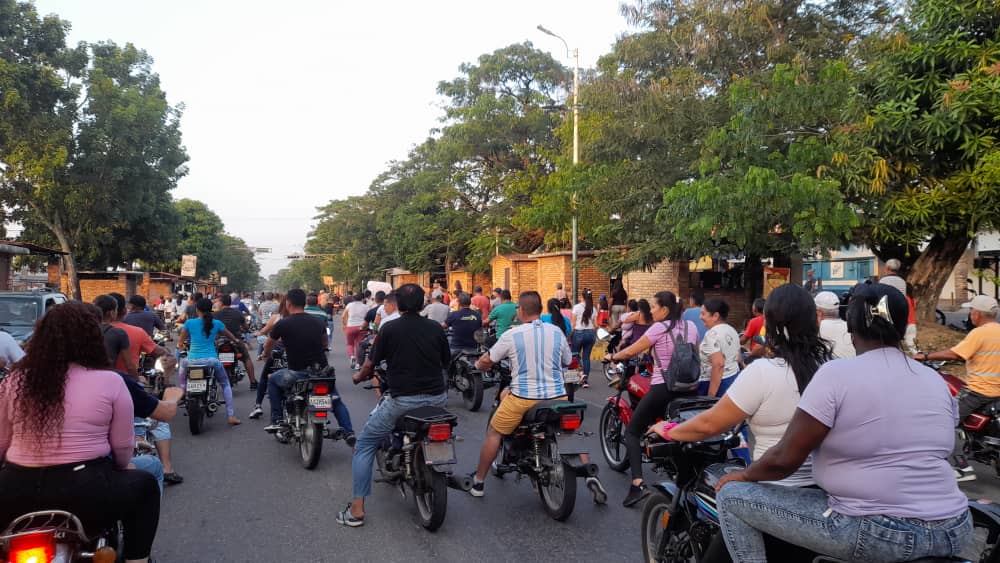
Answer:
[(755, 328), (481, 302)]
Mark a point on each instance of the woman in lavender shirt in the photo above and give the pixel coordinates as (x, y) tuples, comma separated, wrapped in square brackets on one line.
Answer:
[(880, 428)]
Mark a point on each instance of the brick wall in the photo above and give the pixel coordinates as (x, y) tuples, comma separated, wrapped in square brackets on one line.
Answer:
[(553, 270), (154, 289), (591, 277), (665, 276), (498, 265), (524, 277), (89, 289), (402, 279), (739, 306)]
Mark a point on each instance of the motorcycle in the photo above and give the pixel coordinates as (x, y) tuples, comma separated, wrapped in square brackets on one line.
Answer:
[(680, 521), (202, 396), (532, 450), (466, 379), (980, 431), (420, 456), (617, 412), (57, 535), (153, 370), (307, 412), (231, 359)]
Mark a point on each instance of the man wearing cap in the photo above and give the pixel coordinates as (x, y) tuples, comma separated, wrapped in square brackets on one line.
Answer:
[(832, 328), (981, 352)]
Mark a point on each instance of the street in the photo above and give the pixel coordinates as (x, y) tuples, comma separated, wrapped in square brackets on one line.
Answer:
[(247, 498)]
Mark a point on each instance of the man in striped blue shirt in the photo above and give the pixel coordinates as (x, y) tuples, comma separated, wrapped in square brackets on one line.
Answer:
[(537, 352)]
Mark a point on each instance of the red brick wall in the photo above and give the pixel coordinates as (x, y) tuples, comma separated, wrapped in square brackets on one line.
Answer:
[(553, 270), (498, 265), (524, 277), (591, 277), (89, 289), (665, 276), (155, 289), (739, 306)]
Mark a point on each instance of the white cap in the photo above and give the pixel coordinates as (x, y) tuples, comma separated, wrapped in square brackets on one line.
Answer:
[(983, 303), (827, 300)]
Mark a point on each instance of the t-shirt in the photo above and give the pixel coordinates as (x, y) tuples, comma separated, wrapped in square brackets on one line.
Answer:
[(693, 314), (504, 315), (768, 393), (416, 351), (143, 404), (115, 341), (892, 428), (138, 343), (9, 349), (232, 318), (835, 332), (146, 320), (720, 338), (464, 324), (202, 346), (537, 353), (388, 319), (304, 336), (482, 303), (547, 318), (578, 311), (437, 312), (981, 351), (317, 312), (372, 314), (191, 311), (266, 309), (356, 311), (754, 326), (663, 343)]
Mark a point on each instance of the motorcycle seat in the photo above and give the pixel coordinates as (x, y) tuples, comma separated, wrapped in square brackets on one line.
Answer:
[(549, 410), (414, 418)]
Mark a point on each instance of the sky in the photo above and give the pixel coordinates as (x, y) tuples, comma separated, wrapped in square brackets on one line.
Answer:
[(290, 104)]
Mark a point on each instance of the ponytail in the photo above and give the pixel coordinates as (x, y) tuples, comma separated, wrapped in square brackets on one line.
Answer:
[(668, 301), (204, 307), (588, 310)]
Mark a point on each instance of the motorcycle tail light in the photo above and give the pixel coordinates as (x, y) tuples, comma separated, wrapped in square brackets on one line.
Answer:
[(575, 363), (321, 388), (439, 432), (39, 547), (570, 421), (320, 414), (105, 554), (975, 422)]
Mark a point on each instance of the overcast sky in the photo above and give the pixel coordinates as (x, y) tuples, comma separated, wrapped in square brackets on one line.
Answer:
[(291, 104)]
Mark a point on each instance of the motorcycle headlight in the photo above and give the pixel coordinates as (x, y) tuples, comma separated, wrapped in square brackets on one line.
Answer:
[(158, 364)]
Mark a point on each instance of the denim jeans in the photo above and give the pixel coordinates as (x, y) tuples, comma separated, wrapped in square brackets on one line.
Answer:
[(282, 380), (152, 465), (583, 344), (218, 372), (801, 516), (380, 423)]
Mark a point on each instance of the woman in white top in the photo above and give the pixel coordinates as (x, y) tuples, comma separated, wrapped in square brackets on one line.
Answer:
[(584, 334), (353, 320), (719, 349)]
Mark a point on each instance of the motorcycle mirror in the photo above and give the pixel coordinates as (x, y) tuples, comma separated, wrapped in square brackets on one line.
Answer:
[(602, 335)]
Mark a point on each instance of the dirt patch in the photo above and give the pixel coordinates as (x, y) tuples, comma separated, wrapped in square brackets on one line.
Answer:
[(932, 337)]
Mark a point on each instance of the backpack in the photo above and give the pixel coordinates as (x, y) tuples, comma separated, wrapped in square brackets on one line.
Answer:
[(684, 370)]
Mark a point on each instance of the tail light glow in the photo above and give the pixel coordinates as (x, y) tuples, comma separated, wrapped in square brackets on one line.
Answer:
[(570, 421), (32, 548), (320, 414), (575, 363), (321, 388), (439, 432)]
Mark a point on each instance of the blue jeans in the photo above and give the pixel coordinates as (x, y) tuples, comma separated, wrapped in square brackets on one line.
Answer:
[(801, 516), (379, 427), (583, 343), (218, 372), (282, 380), (723, 385), (152, 465)]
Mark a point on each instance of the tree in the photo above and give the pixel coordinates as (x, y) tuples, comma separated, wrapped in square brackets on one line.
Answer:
[(238, 264), (200, 234)]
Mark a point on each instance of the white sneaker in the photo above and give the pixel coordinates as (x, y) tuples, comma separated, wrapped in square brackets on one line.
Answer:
[(964, 475)]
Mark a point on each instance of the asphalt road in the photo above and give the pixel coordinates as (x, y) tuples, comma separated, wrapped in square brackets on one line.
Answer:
[(247, 498)]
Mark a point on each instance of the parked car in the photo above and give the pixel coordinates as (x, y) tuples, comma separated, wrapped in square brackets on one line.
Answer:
[(19, 310)]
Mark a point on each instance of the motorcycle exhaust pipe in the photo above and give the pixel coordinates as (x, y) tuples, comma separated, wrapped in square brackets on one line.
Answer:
[(460, 483), (581, 469), (212, 407)]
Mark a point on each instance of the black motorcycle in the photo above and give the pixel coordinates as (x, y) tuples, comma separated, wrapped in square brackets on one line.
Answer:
[(680, 521), (532, 450), (465, 378), (57, 535), (202, 397), (420, 456), (307, 409)]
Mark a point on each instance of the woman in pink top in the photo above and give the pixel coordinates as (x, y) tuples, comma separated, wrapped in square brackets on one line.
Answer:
[(66, 434), (658, 337)]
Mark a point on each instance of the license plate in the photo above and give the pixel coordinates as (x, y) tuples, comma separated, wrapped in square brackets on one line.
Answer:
[(227, 357), (571, 376), (197, 386), (321, 402), (439, 452)]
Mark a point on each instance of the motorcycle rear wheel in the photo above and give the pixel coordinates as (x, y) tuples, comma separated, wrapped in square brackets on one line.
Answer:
[(311, 445), (473, 394), (612, 436), (196, 415), (678, 548), (432, 504), (559, 494)]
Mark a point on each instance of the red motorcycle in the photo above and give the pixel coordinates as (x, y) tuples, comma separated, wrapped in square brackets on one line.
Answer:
[(232, 360), (618, 411), (981, 429)]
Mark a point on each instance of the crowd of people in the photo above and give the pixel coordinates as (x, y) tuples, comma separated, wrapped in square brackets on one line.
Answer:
[(831, 457)]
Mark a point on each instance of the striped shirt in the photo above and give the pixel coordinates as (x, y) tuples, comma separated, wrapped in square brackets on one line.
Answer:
[(537, 351), (981, 351)]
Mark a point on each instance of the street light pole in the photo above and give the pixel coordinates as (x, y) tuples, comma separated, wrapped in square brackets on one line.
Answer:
[(576, 156)]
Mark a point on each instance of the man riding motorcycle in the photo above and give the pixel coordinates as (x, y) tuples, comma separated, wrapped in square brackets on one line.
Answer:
[(416, 351), (236, 323), (981, 352), (305, 340)]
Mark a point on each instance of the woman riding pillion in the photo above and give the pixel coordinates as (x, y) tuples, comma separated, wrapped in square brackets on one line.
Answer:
[(198, 337)]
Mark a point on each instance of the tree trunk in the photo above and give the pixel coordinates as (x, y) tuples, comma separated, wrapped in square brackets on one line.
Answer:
[(753, 277), (932, 269), (68, 261)]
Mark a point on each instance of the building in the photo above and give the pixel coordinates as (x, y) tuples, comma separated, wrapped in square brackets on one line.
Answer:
[(541, 272), (11, 248)]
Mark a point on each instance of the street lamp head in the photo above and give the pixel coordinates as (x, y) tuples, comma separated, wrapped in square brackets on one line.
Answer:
[(545, 31)]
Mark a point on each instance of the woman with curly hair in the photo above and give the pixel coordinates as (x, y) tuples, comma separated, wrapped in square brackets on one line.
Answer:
[(66, 434)]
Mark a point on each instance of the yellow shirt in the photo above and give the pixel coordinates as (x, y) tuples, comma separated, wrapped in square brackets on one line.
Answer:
[(981, 351)]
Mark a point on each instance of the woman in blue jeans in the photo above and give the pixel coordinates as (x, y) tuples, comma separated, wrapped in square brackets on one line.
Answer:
[(198, 336), (584, 332), (880, 428)]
